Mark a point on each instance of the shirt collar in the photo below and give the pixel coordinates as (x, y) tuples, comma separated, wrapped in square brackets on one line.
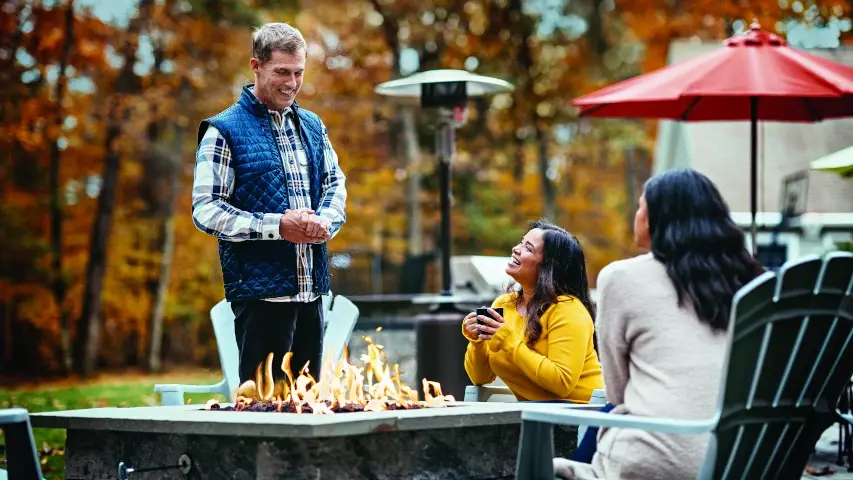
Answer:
[(288, 112)]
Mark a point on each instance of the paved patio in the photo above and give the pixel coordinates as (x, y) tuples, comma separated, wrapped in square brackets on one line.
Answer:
[(826, 456)]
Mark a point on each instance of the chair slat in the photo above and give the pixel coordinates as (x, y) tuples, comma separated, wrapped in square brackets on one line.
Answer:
[(837, 276), (759, 364), (792, 360), (798, 277)]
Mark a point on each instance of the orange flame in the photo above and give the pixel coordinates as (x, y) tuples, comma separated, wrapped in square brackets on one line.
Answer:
[(341, 387)]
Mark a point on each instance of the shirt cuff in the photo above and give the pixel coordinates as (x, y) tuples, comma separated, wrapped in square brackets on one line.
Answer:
[(499, 339), (330, 216), (270, 226)]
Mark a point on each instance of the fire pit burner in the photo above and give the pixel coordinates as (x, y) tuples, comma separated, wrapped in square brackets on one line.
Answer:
[(281, 407)]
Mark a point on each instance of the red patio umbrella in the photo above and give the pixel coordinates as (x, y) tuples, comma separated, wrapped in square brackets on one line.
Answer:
[(756, 76)]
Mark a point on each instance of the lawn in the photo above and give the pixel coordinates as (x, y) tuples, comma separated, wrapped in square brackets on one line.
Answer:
[(131, 389)]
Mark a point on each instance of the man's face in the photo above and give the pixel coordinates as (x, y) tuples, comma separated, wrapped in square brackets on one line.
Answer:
[(278, 80)]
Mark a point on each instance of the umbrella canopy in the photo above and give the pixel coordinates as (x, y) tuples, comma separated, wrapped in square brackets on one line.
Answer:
[(755, 76), (840, 162), (786, 84)]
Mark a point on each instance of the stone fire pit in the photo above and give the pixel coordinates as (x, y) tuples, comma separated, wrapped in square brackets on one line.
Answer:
[(463, 441)]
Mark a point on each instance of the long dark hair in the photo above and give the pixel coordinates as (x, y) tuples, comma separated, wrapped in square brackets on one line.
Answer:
[(693, 234), (562, 272)]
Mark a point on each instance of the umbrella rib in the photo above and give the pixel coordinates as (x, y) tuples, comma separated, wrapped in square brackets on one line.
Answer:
[(812, 110), (585, 113), (690, 108), (806, 64)]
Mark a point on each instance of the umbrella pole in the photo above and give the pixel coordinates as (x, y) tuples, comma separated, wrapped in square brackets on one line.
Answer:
[(753, 171)]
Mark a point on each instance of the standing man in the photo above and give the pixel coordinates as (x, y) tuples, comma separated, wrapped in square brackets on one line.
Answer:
[(268, 186)]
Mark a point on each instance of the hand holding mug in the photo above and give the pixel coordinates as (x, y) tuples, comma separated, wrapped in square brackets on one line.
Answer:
[(490, 321), (470, 327)]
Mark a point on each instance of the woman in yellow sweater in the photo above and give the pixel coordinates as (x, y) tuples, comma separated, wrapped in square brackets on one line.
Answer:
[(543, 345)]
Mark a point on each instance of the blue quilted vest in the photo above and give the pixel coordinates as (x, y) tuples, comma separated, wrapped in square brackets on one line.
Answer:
[(260, 269)]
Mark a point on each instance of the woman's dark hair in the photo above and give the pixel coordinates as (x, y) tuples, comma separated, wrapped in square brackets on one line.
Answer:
[(693, 235), (562, 272)]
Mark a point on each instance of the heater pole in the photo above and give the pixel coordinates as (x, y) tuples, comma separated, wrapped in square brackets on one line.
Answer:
[(445, 146)]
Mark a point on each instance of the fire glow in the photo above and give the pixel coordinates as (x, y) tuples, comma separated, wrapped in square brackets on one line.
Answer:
[(341, 388)]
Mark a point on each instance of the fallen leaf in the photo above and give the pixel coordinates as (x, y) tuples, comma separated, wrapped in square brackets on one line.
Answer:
[(820, 472)]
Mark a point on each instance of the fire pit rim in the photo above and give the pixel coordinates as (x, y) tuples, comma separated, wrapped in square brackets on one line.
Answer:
[(194, 420)]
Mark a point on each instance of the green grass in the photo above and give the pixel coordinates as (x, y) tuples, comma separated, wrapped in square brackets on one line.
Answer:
[(130, 390)]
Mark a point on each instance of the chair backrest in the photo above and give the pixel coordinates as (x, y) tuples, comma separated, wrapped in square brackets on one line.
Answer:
[(327, 301), (222, 318), (340, 323), (790, 354), (21, 457)]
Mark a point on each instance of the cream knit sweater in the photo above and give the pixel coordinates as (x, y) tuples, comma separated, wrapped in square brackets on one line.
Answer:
[(658, 360)]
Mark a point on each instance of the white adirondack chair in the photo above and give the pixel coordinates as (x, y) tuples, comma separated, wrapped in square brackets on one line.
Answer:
[(790, 354), (340, 316), (21, 457)]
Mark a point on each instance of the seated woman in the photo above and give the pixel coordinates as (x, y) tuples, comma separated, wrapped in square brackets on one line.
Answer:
[(662, 320), (542, 346)]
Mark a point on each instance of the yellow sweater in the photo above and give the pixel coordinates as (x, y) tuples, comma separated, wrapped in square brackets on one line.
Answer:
[(562, 365)]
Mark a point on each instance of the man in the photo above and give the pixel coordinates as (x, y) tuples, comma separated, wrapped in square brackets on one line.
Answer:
[(268, 186)]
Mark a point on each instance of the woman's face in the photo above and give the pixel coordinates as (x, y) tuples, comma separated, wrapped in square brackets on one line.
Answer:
[(641, 225), (523, 266)]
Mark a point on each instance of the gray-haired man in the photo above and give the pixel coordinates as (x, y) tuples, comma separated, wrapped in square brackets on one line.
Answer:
[(269, 187)]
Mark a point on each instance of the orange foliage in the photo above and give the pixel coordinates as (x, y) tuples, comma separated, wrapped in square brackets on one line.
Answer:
[(497, 173)]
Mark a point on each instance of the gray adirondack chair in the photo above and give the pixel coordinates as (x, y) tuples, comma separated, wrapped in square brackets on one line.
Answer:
[(340, 316), (21, 455), (790, 354)]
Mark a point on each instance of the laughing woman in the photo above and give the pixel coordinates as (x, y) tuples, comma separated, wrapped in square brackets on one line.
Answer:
[(542, 347)]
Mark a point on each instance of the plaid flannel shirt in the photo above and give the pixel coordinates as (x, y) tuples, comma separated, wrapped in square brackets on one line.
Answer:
[(214, 184)]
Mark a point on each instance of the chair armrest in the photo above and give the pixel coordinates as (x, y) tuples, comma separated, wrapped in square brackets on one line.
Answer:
[(484, 393), (14, 415), (574, 416), (173, 387), (172, 394)]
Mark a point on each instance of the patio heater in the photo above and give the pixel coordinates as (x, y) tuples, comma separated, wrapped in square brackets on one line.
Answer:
[(448, 91), (440, 347)]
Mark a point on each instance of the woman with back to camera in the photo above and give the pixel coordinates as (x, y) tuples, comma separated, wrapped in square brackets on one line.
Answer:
[(662, 320), (542, 345)]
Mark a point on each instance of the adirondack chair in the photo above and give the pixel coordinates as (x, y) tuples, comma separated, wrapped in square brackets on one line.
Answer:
[(21, 455), (789, 356), (340, 314)]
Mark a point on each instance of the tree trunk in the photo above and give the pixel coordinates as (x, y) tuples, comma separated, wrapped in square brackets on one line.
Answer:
[(7, 66), (411, 154), (155, 323), (405, 121), (58, 285), (167, 234), (525, 61), (631, 186), (549, 196), (88, 335)]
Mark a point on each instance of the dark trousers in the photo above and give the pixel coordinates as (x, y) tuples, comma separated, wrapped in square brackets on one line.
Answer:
[(278, 327), (589, 443)]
